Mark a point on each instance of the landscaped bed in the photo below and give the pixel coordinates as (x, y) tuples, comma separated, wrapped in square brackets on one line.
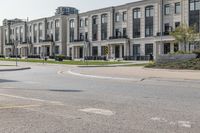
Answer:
[(66, 62), (193, 64)]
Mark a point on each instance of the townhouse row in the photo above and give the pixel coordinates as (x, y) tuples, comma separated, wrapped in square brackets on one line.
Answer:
[(130, 31)]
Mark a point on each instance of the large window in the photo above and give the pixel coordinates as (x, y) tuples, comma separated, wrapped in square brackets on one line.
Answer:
[(57, 30), (149, 11), (149, 21), (117, 17), (94, 28), (71, 34), (124, 16), (177, 8), (167, 9), (86, 21), (136, 13), (194, 5), (104, 26), (40, 31), (136, 22), (71, 23), (95, 51), (81, 23), (148, 49)]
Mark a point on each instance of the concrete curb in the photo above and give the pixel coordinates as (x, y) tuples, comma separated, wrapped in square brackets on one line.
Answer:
[(14, 69), (113, 65)]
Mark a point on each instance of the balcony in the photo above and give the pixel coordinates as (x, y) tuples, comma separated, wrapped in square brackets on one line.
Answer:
[(118, 37), (164, 33), (9, 44)]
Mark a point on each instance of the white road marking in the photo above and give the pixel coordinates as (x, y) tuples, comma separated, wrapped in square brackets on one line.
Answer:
[(98, 111), (32, 99), (101, 77), (185, 124), (159, 119), (22, 106)]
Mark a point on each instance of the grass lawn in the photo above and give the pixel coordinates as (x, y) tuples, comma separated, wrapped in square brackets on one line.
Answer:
[(67, 62), (190, 65)]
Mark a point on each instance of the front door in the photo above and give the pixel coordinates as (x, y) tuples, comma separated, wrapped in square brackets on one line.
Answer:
[(48, 51), (166, 48), (136, 50), (81, 52), (117, 52)]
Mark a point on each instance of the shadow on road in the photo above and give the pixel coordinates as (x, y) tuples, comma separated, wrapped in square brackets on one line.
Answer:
[(67, 90), (4, 81)]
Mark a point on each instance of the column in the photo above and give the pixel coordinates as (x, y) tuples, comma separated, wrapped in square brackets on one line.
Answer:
[(99, 50), (172, 47), (120, 54)]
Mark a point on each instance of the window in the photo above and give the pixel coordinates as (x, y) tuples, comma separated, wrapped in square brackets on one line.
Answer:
[(194, 5), (167, 9), (124, 32), (86, 22), (167, 28), (104, 18), (177, 8), (117, 17), (149, 31), (81, 23), (56, 49), (117, 33), (81, 36), (176, 47), (48, 26), (94, 51), (124, 16), (104, 27), (94, 20), (86, 36), (40, 31), (149, 11), (148, 49), (177, 24), (136, 13), (57, 23), (71, 23), (57, 30), (167, 48)]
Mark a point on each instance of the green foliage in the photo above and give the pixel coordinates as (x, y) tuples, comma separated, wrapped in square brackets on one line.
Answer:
[(185, 34), (193, 64)]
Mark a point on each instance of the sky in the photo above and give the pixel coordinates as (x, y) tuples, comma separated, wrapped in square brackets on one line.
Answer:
[(43, 8)]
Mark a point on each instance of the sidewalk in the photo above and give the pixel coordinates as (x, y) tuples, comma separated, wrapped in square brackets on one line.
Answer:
[(140, 72)]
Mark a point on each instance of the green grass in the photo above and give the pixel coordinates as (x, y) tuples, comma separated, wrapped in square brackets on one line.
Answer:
[(190, 65), (66, 62)]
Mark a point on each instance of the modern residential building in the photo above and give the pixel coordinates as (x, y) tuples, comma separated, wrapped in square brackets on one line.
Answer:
[(130, 31)]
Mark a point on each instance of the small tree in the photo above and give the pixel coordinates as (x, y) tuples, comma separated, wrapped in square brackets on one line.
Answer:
[(185, 35)]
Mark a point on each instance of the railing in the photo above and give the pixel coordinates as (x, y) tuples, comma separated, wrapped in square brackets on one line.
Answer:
[(164, 34), (118, 37)]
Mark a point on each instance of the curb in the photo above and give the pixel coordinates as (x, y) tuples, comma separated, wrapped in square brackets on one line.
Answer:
[(14, 69), (114, 65)]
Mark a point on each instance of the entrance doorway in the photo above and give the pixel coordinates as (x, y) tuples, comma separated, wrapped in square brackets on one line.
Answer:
[(81, 52), (166, 48)]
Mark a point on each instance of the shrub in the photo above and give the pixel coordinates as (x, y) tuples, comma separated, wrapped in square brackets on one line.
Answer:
[(197, 52), (59, 57)]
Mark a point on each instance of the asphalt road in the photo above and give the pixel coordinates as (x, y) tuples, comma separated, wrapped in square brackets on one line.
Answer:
[(46, 99)]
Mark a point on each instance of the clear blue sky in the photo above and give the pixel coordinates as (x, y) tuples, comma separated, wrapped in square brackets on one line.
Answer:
[(42, 8)]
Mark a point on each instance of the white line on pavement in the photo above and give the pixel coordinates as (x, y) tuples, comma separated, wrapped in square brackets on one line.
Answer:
[(32, 99), (101, 77), (185, 124), (97, 111), (22, 106)]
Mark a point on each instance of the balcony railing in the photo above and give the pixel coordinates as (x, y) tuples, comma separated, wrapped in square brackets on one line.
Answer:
[(164, 34), (118, 37)]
